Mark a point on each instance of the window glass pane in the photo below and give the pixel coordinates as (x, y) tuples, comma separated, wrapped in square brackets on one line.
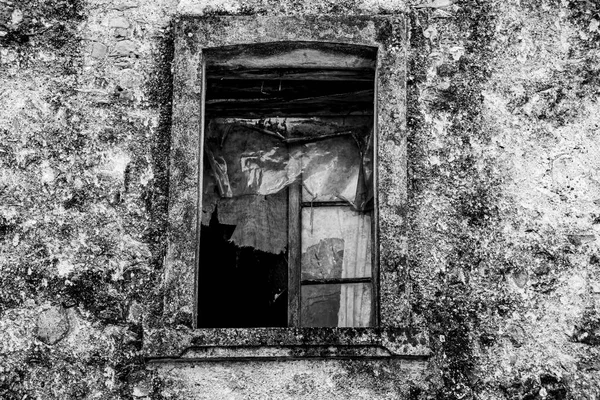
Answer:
[(331, 170), (336, 305), (336, 243)]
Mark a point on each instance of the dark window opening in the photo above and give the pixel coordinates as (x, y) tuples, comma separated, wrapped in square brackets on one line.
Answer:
[(288, 181), (247, 286)]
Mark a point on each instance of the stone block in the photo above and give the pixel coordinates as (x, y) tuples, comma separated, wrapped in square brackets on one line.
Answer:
[(99, 50), (119, 22), (126, 5), (124, 48), (52, 325)]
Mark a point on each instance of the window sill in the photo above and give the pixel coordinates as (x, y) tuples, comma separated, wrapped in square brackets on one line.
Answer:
[(266, 344)]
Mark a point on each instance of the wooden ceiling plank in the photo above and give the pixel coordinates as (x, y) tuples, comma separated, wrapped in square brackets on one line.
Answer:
[(292, 55)]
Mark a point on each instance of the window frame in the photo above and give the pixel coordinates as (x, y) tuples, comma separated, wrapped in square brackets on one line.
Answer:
[(296, 202), (193, 34)]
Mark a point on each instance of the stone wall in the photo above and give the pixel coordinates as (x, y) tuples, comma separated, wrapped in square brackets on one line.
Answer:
[(504, 208)]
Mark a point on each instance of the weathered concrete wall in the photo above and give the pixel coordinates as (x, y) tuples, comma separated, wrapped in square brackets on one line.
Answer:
[(504, 186)]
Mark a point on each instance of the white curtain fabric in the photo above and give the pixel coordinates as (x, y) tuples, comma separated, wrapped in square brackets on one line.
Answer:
[(355, 230), (355, 299)]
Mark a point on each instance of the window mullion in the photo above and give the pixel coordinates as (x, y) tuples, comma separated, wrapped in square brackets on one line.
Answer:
[(294, 254)]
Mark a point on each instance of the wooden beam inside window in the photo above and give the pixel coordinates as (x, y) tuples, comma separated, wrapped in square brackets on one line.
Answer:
[(293, 74), (314, 55), (350, 103)]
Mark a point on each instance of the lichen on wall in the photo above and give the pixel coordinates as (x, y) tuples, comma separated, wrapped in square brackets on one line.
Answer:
[(505, 197), (83, 124), (504, 200)]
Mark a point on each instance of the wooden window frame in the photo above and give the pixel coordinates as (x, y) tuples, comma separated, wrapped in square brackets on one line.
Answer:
[(221, 56)]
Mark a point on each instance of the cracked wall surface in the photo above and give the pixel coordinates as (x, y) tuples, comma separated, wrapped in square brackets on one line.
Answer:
[(503, 269)]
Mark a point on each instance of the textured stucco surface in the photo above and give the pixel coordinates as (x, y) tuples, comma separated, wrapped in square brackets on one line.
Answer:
[(292, 380), (503, 268)]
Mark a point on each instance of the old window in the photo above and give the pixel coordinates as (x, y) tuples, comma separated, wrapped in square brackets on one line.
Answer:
[(288, 210)]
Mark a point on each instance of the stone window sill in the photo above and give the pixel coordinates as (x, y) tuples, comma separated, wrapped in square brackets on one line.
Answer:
[(266, 344)]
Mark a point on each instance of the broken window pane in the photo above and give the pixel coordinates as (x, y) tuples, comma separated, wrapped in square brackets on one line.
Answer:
[(245, 204), (336, 243), (287, 162), (243, 286), (336, 305)]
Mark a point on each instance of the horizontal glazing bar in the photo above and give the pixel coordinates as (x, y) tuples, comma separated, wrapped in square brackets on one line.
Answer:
[(326, 204), (335, 281)]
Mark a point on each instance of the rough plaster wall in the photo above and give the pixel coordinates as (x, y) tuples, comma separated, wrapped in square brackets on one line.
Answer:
[(504, 200), (505, 192), (84, 124), (291, 380)]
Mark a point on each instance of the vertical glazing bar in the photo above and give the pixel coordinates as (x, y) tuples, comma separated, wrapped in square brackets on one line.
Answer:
[(294, 254), (200, 189), (375, 217)]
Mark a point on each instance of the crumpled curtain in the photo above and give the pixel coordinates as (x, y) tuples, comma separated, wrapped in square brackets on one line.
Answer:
[(355, 299), (246, 162), (261, 221)]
